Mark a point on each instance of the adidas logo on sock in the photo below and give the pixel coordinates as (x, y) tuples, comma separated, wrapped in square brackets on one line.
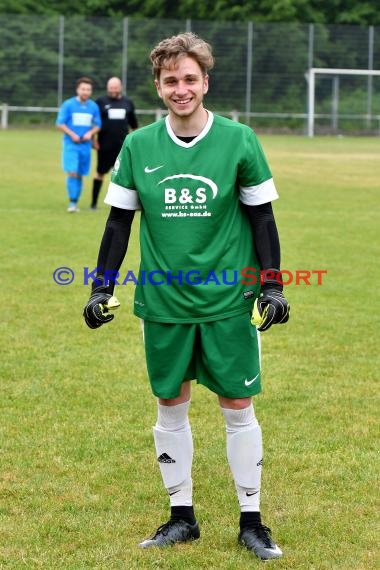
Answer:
[(165, 458)]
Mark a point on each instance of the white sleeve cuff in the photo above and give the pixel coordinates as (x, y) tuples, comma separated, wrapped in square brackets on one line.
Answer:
[(121, 197), (260, 194)]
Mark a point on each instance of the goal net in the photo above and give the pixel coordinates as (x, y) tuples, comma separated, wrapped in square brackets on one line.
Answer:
[(336, 73)]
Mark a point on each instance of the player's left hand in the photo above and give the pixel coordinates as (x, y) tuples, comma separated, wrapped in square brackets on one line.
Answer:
[(97, 310), (271, 307)]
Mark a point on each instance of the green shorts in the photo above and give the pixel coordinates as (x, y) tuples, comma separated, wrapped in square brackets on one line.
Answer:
[(222, 355)]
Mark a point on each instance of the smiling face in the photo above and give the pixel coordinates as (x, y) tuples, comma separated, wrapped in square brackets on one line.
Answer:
[(182, 87)]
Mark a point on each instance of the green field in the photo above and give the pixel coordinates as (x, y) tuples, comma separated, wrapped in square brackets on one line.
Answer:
[(79, 484)]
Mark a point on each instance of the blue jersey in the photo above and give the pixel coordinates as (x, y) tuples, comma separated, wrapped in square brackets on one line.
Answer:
[(79, 116)]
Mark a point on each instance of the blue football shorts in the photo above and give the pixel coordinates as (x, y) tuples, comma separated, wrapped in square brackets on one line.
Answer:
[(76, 157)]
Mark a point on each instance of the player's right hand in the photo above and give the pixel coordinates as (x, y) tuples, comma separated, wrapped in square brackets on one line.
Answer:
[(97, 310)]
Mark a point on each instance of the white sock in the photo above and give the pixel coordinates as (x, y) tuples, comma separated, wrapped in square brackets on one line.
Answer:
[(245, 455), (174, 447)]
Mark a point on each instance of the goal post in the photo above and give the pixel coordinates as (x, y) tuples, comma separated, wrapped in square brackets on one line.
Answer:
[(310, 77)]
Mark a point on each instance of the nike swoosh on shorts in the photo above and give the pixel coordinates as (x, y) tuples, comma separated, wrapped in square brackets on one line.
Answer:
[(249, 382)]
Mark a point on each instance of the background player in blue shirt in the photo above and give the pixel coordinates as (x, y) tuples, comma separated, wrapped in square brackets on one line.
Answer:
[(79, 120)]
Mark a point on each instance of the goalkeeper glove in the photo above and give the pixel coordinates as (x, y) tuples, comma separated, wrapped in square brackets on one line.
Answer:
[(271, 307), (97, 310)]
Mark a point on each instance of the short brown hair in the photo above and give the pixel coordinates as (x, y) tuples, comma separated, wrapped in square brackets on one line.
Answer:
[(170, 50), (84, 80)]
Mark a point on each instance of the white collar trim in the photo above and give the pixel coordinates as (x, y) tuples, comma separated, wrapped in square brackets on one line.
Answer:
[(201, 135)]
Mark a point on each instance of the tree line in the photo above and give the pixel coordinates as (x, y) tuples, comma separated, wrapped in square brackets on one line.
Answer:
[(365, 12)]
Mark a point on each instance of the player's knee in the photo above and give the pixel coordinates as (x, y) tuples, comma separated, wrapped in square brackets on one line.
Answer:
[(183, 397), (235, 403)]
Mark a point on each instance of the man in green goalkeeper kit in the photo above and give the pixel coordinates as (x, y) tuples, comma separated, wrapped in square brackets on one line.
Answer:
[(204, 189)]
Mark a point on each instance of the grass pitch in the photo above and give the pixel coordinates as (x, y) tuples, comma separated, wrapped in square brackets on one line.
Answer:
[(79, 484)]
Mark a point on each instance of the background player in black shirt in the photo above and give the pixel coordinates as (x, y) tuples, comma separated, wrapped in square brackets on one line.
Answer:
[(118, 117)]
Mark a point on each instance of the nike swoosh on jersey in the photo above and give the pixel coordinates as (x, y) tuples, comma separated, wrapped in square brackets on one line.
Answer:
[(149, 170), (249, 382)]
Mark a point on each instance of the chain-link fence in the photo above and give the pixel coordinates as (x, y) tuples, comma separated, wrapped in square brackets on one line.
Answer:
[(260, 75)]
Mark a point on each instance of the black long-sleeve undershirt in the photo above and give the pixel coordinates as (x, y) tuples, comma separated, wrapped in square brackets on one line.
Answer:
[(114, 243), (265, 235)]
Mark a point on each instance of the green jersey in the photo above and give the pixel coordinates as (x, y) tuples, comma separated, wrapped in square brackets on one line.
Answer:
[(195, 238)]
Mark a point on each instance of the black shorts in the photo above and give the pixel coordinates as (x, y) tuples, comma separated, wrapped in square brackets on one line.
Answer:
[(106, 160)]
